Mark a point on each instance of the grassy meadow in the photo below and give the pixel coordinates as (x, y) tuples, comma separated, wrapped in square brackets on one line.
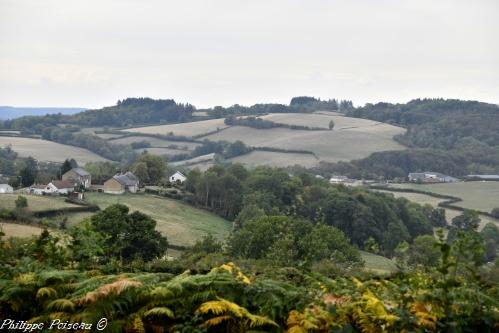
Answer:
[(424, 199), (482, 196), (35, 202), (181, 223), (48, 151), (378, 264)]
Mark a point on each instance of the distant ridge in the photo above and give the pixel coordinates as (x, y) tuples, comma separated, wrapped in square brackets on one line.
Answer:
[(10, 112)]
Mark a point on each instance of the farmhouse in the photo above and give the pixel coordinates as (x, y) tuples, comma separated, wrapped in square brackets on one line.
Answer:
[(59, 187), (430, 177), (6, 188), (79, 177), (122, 183), (178, 177)]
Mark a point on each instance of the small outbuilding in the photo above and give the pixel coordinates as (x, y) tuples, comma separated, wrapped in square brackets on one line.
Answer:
[(178, 177), (59, 187)]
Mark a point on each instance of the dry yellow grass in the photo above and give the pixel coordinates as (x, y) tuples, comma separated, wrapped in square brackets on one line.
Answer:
[(20, 230), (183, 129), (48, 151)]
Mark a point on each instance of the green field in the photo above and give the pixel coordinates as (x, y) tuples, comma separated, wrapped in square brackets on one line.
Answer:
[(35, 202), (377, 263), (48, 151), (181, 223), (424, 199), (482, 196)]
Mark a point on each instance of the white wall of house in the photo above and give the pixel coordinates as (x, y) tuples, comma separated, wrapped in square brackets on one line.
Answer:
[(52, 189), (4, 188)]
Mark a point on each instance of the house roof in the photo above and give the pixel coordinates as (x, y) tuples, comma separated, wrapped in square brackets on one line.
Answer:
[(127, 179), (178, 173), (80, 172), (62, 184)]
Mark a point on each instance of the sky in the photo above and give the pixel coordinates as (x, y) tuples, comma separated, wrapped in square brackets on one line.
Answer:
[(91, 53)]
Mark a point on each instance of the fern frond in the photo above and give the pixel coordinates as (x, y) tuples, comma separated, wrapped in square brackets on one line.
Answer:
[(114, 288), (61, 304), (46, 292), (160, 311), (217, 320)]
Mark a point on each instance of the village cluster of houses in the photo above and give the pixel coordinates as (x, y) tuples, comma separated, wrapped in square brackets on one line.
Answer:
[(77, 179)]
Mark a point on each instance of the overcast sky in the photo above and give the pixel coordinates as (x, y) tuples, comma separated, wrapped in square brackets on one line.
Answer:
[(90, 53)]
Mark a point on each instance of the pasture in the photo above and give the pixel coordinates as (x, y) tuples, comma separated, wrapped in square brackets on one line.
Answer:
[(329, 146), (275, 159), (424, 199), (482, 196), (181, 223), (182, 129), (48, 151)]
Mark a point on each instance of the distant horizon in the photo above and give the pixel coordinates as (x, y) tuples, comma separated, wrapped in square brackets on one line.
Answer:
[(229, 105)]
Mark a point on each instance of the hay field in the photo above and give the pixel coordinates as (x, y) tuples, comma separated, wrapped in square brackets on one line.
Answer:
[(48, 151), (182, 129), (181, 223), (330, 146), (275, 159), (20, 230), (319, 120), (35, 202), (482, 196), (156, 142)]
